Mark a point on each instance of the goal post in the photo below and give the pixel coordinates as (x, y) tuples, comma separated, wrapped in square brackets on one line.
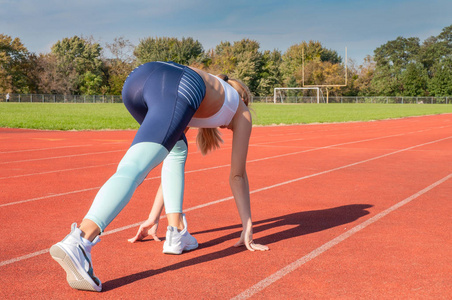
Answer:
[(275, 92)]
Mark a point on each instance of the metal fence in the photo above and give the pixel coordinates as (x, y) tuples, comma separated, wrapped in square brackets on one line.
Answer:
[(339, 99), (47, 98)]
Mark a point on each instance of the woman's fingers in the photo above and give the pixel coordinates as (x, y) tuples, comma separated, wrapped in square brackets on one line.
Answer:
[(136, 238), (155, 237), (258, 247), (251, 245), (147, 228)]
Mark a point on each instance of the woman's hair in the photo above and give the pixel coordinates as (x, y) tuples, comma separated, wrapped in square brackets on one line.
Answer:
[(209, 139), (239, 86)]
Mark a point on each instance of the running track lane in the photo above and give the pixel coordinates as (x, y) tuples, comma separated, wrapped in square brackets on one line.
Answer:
[(308, 193)]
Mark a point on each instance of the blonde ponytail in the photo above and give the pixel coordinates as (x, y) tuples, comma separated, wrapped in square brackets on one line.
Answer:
[(208, 139)]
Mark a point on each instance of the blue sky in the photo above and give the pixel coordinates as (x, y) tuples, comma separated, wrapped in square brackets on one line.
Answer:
[(361, 26)]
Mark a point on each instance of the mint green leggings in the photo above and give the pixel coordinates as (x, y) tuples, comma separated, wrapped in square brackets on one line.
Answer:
[(139, 160)]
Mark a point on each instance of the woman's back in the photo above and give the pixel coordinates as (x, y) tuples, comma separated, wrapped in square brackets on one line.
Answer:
[(213, 101)]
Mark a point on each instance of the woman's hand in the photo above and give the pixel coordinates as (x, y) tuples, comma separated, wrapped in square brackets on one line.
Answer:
[(147, 228), (246, 238)]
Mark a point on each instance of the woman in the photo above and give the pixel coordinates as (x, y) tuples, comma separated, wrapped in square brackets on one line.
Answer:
[(165, 98)]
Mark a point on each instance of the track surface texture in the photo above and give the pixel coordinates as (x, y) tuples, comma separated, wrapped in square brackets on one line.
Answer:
[(357, 210)]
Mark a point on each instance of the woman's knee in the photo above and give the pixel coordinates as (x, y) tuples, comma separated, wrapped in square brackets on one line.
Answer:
[(178, 153), (140, 159)]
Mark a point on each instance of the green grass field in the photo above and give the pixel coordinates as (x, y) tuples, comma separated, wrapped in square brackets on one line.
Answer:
[(54, 116)]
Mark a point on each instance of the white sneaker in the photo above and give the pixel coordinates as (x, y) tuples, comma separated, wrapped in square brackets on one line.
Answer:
[(176, 241), (74, 255)]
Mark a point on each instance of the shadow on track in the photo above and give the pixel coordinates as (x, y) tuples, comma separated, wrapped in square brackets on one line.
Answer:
[(305, 223)]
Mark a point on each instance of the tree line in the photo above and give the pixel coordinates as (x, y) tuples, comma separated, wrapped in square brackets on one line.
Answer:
[(79, 65)]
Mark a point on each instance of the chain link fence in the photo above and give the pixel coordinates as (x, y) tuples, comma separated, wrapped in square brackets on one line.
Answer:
[(384, 100), (47, 98)]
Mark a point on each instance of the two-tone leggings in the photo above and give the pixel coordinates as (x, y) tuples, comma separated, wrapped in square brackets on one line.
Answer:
[(162, 97)]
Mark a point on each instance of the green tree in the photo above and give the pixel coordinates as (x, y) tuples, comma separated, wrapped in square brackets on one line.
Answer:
[(270, 76), (446, 35), (249, 62), (241, 60), (392, 59), (431, 51), (15, 66), (331, 56), (77, 56), (90, 84), (223, 58), (182, 51), (441, 82), (414, 80), (310, 53)]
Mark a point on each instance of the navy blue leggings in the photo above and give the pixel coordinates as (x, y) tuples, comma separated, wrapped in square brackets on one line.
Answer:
[(162, 97)]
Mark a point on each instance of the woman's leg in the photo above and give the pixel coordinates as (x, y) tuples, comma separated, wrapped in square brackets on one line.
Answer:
[(173, 180), (139, 160), (178, 239), (73, 253)]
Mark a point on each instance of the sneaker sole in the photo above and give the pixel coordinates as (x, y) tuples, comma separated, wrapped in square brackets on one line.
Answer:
[(177, 252), (73, 276)]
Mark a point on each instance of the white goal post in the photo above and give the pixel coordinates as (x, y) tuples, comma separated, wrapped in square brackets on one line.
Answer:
[(275, 91)]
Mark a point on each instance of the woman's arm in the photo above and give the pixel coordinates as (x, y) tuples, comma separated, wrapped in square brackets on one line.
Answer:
[(149, 227), (238, 179)]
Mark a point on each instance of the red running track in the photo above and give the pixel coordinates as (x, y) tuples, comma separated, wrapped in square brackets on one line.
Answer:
[(349, 210)]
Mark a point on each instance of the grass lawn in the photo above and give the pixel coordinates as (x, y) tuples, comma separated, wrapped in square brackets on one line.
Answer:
[(64, 116)]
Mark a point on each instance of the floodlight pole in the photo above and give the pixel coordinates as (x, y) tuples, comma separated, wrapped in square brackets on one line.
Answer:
[(302, 65)]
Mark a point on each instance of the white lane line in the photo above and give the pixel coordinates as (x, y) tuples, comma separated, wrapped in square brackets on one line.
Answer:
[(261, 285), (49, 196), (17, 259), (251, 192), (199, 170), (43, 149), (223, 148), (250, 161), (58, 171), (63, 156), (97, 187)]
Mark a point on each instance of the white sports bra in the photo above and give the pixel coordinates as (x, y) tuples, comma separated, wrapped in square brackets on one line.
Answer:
[(224, 116)]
